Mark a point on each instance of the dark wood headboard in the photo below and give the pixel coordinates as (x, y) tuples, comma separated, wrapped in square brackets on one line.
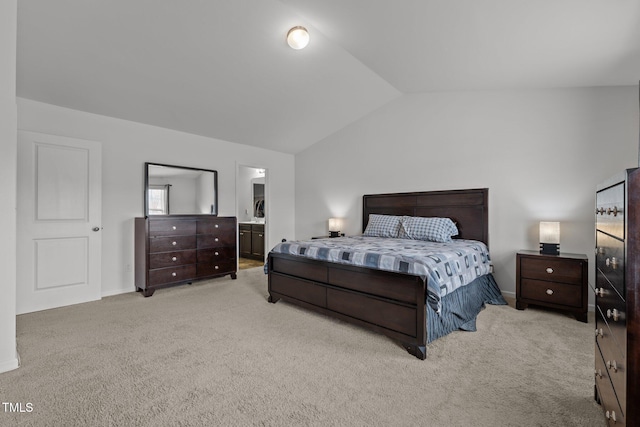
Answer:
[(469, 209)]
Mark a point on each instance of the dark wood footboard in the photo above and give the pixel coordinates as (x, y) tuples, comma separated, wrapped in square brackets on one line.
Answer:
[(389, 303)]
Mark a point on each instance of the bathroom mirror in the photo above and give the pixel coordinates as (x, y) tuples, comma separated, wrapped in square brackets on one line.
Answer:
[(180, 190)]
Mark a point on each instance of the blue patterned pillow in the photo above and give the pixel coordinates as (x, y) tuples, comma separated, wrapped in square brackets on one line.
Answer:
[(383, 226), (432, 229)]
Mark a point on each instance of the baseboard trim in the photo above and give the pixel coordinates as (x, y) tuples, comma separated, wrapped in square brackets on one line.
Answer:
[(116, 292), (9, 365)]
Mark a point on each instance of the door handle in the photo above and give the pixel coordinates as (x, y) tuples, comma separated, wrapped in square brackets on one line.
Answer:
[(95, 229)]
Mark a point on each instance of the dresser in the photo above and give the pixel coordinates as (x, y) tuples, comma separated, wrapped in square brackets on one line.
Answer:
[(617, 299), (171, 250), (556, 281)]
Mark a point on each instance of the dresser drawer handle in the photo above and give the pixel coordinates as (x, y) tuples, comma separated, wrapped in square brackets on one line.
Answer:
[(174, 258), (612, 365), (174, 227), (174, 243), (599, 373), (549, 291), (612, 262), (613, 211), (216, 253), (600, 292), (216, 267), (615, 314), (600, 211), (216, 226), (611, 416), (599, 333), (174, 274), (216, 239), (549, 270)]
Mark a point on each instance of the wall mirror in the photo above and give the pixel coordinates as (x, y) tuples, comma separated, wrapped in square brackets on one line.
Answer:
[(180, 190)]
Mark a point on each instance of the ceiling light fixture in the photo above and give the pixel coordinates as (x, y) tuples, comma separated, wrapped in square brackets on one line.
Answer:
[(298, 37)]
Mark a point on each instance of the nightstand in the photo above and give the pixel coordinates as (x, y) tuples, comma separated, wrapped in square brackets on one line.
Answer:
[(556, 281)]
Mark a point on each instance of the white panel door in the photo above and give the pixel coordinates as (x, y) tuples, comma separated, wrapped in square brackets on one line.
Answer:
[(59, 221)]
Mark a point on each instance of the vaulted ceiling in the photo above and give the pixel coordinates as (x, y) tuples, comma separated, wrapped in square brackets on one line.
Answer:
[(221, 68)]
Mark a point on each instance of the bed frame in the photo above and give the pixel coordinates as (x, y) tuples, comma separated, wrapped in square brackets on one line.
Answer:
[(393, 304)]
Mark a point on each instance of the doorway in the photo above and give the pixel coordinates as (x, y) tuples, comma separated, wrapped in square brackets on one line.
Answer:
[(252, 208)]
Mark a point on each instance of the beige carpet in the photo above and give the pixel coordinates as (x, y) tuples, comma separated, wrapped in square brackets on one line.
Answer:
[(216, 353)]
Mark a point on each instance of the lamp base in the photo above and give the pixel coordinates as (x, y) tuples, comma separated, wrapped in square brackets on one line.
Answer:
[(550, 248), (334, 234)]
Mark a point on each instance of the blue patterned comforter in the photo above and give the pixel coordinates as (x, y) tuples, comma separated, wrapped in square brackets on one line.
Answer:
[(445, 266)]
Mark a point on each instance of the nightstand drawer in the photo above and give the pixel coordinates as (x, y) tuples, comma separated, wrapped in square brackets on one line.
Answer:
[(552, 292), (556, 270)]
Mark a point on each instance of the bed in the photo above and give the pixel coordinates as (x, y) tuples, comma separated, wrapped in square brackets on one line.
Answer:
[(396, 304)]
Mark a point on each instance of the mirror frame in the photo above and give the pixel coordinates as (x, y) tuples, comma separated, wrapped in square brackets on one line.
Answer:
[(146, 188)]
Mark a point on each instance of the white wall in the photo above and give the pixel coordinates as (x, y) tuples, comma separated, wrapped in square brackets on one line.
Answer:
[(8, 165), (540, 153), (127, 145)]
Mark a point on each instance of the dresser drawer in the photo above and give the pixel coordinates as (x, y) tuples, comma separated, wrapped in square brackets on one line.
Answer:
[(613, 310), (169, 259), (162, 276), (614, 360), (556, 270), (214, 268), (173, 243), (610, 210), (216, 240), (608, 398), (216, 225), (610, 259), (216, 254), (604, 336), (171, 227), (552, 292)]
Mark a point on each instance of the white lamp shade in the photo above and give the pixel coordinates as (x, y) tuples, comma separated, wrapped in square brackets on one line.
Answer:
[(298, 38), (335, 224), (549, 232)]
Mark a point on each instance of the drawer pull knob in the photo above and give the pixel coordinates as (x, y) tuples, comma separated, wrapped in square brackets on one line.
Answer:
[(549, 291), (174, 258), (611, 415), (217, 253), (549, 270), (260, 235), (216, 226), (216, 239), (600, 211), (613, 211), (599, 373), (174, 243), (599, 333), (600, 292), (612, 365), (241, 233), (174, 274), (216, 267), (615, 314), (174, 227)]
